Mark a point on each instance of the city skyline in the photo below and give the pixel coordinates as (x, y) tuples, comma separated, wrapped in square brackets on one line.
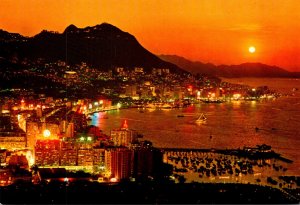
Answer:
[(149, 101), (208, 31)]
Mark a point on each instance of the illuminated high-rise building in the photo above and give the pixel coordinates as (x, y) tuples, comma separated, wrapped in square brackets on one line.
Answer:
[(68, 152), (123, 136), (70, 130), (85, 151), (33, 129), (85, 157), (47, 152), (119, 162), (99, 156)]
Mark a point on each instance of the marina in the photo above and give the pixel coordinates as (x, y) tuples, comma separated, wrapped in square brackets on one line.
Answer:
[(226, 166)]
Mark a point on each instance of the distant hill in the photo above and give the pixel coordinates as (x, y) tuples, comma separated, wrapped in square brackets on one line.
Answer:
[(102, 46), (6, 36), (229, 71), (190, 66)]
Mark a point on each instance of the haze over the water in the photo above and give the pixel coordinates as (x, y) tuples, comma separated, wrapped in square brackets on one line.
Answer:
[(215, 31)]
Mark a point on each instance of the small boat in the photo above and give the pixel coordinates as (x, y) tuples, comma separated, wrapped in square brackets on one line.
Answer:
[(201, 119), (180, 115), (166, 106)]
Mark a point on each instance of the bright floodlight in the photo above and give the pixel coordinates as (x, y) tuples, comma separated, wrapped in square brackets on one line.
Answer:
[(46, 133), (113, 179)]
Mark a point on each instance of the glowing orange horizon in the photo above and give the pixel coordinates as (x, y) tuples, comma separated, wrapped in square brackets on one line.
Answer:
[(213, 31)]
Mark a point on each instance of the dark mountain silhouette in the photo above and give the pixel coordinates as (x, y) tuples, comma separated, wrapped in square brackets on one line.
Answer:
[(229, 71), (252, 70), (105, 46), (102, 46), (190, 66), (8, 37)]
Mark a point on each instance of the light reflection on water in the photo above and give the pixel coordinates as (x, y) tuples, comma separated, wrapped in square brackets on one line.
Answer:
[(230, 125)]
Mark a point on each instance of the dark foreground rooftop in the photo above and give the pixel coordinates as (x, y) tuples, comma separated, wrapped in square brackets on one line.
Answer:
[(83, 192)]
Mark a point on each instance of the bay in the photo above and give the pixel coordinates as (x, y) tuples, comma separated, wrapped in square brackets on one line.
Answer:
[(229, 125)]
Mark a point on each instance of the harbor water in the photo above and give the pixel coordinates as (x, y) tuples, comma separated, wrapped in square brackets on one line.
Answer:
[(232, 124)]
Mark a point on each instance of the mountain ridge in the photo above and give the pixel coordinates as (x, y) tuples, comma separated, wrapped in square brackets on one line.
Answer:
[(247, 69), (103, 46)]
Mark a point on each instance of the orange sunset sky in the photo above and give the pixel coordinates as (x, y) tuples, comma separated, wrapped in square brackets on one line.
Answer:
[(216, 31)]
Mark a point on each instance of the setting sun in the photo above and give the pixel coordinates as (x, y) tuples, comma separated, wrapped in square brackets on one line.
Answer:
[(252, 49)]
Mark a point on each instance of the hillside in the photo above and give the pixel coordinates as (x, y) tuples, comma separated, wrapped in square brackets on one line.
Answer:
[(103, 46), (229, 71)]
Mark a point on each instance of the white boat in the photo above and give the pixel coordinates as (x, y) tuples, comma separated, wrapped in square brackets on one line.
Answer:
[(201, 119), (166, 106)]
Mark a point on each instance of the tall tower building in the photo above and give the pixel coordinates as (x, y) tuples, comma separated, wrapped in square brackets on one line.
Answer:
[(123, 136), (70, 130), (85, 151), (147, 160), (119, 162), (99, 157), (33, 130)]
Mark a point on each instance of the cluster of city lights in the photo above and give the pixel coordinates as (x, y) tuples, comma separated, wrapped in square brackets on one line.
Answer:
[(89, 139)]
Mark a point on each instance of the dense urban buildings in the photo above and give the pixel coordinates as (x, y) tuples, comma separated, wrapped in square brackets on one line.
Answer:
[(51, 134)]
